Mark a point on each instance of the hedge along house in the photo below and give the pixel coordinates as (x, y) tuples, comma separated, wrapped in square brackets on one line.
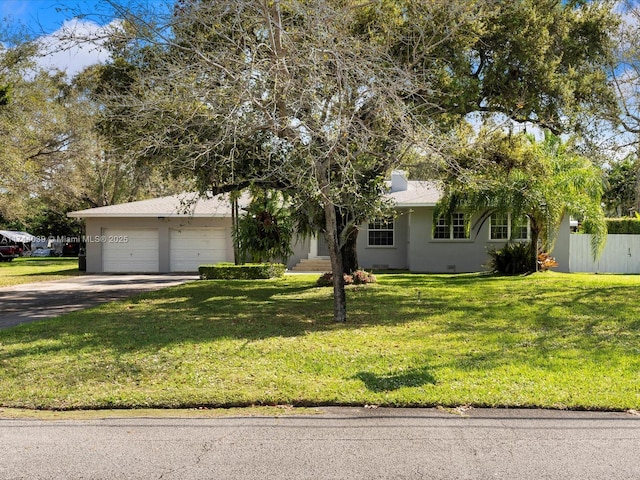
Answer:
[(180, 233), (170, 234)]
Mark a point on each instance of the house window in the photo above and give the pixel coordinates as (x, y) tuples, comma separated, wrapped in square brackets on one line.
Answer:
[(459, 225), (504, 227), (500, 226), (520, 229), (381, 232), (456, 227), (442, 229)]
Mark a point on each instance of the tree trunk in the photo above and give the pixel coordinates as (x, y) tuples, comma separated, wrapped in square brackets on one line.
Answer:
[(535, 237), (234, 223), (331, 234), (349, 250)]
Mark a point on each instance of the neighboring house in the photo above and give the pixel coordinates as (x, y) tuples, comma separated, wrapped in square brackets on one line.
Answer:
[(179, 233)]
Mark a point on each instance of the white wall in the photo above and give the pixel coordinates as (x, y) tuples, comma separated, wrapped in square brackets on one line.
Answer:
[(447, 256), (96, 226), (621, 254), (382, 257)]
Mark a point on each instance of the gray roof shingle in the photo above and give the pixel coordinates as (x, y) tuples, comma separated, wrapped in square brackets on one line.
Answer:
[(182, 205)]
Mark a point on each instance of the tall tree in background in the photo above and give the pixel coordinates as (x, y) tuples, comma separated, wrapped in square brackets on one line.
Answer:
[(52, 157), (622, 181), (625, 73), (538, 61)]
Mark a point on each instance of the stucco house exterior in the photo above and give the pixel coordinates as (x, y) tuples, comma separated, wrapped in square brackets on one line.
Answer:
[(179, 233), (456, 245)]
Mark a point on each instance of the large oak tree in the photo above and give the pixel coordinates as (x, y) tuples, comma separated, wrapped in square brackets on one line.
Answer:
[(320, 99)]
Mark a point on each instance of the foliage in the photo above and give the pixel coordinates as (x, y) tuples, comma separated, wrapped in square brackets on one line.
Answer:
[(359, 277), (229, 271), (621, 181), (562, 341), (45, 222), (513, 259), (546, 262), (539, 61), (284, 95), (629, 226), (265, 231), (625, 73), (321, 99), (541, 180)]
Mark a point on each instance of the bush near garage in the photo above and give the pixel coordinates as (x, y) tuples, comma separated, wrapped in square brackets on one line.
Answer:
[(248, 271)]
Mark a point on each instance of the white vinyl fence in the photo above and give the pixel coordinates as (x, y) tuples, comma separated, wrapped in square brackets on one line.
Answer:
[(621, 254)]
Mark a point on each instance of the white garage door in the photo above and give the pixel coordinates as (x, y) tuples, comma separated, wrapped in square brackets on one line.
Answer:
[(130, 250), (192, 247)]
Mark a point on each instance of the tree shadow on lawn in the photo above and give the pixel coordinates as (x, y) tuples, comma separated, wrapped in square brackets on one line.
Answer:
[(191, 313), (415, 377), (250, 310)]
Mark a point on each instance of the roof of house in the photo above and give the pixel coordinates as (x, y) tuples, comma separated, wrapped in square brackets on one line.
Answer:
[(182, 205), (413, 194), (417, 194)]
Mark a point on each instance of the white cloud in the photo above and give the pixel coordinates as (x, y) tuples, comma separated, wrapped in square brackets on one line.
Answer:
[(74, 46)]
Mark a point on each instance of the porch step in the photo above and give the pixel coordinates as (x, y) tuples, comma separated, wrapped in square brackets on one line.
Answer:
[(313, 265)]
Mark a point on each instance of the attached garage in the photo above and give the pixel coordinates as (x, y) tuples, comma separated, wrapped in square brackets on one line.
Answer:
[(127, 250), (161, 235), (191, 247)]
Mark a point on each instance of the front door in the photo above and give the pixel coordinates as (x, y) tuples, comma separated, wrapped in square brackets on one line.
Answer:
[(323, 247)]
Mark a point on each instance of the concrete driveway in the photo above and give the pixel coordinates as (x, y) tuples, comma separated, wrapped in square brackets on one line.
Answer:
[(36, 301)]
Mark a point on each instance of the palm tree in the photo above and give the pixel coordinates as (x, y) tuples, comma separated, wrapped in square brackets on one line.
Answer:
[(543, 181)]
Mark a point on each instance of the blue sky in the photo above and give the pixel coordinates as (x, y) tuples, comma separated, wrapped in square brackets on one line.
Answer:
[(46, 16), (43, 18)]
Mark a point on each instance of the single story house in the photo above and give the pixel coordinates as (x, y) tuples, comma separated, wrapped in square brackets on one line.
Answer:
[(178, 233)]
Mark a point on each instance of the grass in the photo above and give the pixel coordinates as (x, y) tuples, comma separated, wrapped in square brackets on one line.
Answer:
[(30, 270), (547, 340)]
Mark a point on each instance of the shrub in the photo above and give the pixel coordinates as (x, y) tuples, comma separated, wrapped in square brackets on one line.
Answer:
[(359, 277), (623, 226), (265, 232), (249, 271), (512, 259)]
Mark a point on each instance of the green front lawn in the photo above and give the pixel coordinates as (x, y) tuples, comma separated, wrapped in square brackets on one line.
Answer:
[(30, 270), (546, 340)]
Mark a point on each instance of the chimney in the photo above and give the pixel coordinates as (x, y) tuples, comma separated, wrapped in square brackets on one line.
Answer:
[(399, 182)]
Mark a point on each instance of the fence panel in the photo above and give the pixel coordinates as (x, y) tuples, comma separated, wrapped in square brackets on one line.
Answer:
[(621, 254)]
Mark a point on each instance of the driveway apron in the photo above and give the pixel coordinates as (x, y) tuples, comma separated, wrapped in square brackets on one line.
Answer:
[(37, 301)]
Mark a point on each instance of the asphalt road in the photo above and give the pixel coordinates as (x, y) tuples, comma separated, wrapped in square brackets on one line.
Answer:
[(36, 301), (341, 443)]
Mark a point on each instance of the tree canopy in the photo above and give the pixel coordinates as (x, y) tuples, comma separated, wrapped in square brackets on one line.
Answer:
[(622, 186), (52, 157), (544, 181), (321, 99)]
